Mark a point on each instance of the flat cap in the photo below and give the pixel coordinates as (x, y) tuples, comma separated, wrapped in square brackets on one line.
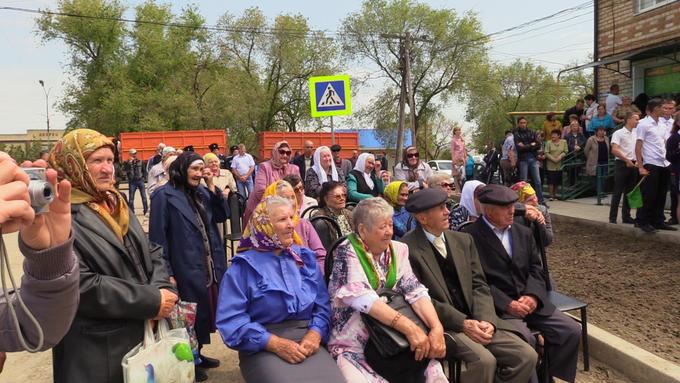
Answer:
[(336, 148), (425, 199), (188, 148), (213, 146), (494, 194), (133, 151)]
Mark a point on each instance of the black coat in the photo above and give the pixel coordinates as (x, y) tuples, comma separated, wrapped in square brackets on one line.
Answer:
[(119, 290), (510, 278), (300, 162)]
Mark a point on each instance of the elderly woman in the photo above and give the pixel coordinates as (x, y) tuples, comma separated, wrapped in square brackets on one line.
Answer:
[(158, 172), (412, 170), (332, 199), (305, 235), (367, 261), (269, 172), (469, 208), (597, 157), (117, 295), (222, 178), (274, 307), (184, 218), (396, 194), (527, 196), (445, 183), (299, 187), (322, 171), (361, 181), (555, 150)]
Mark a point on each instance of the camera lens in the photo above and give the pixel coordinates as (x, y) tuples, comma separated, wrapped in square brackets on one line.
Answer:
[(41, 193)]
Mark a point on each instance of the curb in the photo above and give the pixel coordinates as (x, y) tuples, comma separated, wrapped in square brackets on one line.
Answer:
[(625, 229), (634, 363)]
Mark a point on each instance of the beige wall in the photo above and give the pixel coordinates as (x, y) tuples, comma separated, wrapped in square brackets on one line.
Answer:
[(31, 136)]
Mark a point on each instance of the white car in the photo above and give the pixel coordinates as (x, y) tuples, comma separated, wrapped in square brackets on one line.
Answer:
[(441, 166)]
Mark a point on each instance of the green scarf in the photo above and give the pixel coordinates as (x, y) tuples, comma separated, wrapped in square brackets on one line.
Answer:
[(368, 266)]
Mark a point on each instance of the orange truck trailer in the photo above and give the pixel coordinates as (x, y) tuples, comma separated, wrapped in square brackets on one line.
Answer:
[(348, 141), (146, 142)]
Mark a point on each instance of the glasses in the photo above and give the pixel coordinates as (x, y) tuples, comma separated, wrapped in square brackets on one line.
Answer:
[(339, 196), (447, 185), (284, 152), (299, 188), (413, 155)]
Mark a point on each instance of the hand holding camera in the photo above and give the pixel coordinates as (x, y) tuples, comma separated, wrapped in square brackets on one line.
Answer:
[(32, 201)]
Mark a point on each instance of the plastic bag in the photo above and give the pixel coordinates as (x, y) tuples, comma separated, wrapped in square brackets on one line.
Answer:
[(184, 316)]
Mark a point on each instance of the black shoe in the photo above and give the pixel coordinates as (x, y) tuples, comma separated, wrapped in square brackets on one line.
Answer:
[(628, 220), (201, 376), (647, 228), (663, 226), (208, 362), (672, 222), (612, 221)]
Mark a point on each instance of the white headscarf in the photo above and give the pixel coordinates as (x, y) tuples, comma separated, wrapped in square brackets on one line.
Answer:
[(467, 196), (318, 169), (361, 166)]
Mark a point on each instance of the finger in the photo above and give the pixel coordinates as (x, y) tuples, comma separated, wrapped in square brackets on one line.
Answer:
[(40, 164), (9, 172), (51, 176), (18, 211)]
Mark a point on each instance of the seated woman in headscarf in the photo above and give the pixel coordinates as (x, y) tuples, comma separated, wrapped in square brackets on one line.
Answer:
[(332, 199), (396, 194), (303, 201), (367, 261), (123, 279), (184, 218), (362, 182), (322, 171), (305, 235), (412, 170), (274, 308), (469, 208), (527, 196)]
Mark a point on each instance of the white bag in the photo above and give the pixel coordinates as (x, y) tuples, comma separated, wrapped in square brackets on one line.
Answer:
[(165, 359)]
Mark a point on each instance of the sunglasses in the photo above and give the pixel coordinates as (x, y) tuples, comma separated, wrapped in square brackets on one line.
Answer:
[(340, 196), (413, 155), (446, 185), (284, 152)]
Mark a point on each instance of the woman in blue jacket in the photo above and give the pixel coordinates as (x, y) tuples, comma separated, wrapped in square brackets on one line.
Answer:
[(184, 217)]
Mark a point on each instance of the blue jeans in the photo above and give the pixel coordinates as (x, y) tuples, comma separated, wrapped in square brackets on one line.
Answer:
[(134, 185), (245, 186), (531, 164)]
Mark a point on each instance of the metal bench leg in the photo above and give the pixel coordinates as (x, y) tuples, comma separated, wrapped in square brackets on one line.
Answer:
[(545, 366), (454, 371), (584, 339)]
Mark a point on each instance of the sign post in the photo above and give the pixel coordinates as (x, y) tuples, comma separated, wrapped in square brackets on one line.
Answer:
[(330, 96)]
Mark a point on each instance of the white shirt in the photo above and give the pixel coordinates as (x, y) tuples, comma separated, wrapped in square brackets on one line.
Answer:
[(508, 145), (625, 139), (612, 102), (668, 123), (590, 112), (653, 137), (242, 163), (502, 234)]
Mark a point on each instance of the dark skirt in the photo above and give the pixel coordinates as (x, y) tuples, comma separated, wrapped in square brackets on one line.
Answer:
[(554, 177), (265, 366)]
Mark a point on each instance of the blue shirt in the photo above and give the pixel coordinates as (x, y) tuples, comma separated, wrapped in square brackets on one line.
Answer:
[(606, 122), (262, 288), (400, 223)]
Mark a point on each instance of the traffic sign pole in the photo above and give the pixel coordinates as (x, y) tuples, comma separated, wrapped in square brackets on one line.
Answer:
[(332, 132)]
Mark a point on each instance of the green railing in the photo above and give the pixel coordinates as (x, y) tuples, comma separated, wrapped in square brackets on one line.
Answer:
[(576, 183)]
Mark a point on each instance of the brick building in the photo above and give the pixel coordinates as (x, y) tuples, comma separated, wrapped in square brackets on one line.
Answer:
[(637, 46)]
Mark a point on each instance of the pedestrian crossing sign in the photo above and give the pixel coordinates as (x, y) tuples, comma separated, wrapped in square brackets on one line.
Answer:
[(330, 96)]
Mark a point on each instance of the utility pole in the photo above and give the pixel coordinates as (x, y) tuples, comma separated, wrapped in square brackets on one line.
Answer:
[(402, 101), (47, 106)]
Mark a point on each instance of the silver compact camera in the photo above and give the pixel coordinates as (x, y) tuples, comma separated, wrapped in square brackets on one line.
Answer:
[(39, 190)]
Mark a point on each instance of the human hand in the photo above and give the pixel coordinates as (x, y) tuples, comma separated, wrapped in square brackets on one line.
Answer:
[(168, 300), (310, 342), (530, 301), (474, 331), (520, 144), (437, 344), (418, 340), (518, 309), (173, 281), (643, 171), (15, 203), (533, 214), (487, 327), (630, 164), (286, 349)]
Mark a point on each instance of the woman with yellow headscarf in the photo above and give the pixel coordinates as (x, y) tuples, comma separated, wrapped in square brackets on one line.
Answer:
[(527, 197), (304, 235), (123, 280), (396, 193)]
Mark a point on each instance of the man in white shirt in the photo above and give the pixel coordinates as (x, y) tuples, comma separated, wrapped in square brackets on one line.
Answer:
[(243, 167), (591, 111), (613, 100), (625, 171), (666, 118), (650, 152), (508, 158)]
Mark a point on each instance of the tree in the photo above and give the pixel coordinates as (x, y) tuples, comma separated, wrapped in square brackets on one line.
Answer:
[(439, 65)]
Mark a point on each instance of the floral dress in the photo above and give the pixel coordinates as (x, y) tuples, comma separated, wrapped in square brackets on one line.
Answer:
[(348, 332)]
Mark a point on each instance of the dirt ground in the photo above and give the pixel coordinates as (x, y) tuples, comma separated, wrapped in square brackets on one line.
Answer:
[(631, 285)]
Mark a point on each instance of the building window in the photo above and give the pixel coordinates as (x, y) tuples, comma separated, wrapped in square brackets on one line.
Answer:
[(647, 5)]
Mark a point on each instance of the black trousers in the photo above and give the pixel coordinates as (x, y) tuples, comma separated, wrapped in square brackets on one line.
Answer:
[(654, 189), (675, 177), (625, 179)]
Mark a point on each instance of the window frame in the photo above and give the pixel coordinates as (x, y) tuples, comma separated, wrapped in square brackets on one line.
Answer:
[(659, 4)]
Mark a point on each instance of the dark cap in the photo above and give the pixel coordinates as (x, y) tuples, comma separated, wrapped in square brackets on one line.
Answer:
[(188, 148), (494, 194), (336, 148), (425, 199), (213, 146)]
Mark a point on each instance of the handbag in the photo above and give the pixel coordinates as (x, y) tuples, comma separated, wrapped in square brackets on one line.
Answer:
[(635, 196), (165, 358), (387, 340)]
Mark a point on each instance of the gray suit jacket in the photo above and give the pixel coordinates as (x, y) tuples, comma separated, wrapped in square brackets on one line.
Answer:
[(472, 281)]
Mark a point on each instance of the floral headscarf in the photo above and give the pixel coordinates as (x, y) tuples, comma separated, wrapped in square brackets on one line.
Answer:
[(524, 191), (271, 191), (68, 158), (260, 235), (391, 192)]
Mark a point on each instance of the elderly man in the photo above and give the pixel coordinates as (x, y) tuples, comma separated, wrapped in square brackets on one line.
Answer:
[(156, 157), (243, 166), (513, 269), (305, 160), (344, 164), (447, 263)]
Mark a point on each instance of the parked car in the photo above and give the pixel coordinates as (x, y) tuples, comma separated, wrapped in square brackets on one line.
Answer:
[(441, 166)]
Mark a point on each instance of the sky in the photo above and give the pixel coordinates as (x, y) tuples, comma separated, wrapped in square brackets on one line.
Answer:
[(555, 43)]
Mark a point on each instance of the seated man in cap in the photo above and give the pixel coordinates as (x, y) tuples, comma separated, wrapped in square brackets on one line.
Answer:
[(447, 263), (344, 164), (513, 269)]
